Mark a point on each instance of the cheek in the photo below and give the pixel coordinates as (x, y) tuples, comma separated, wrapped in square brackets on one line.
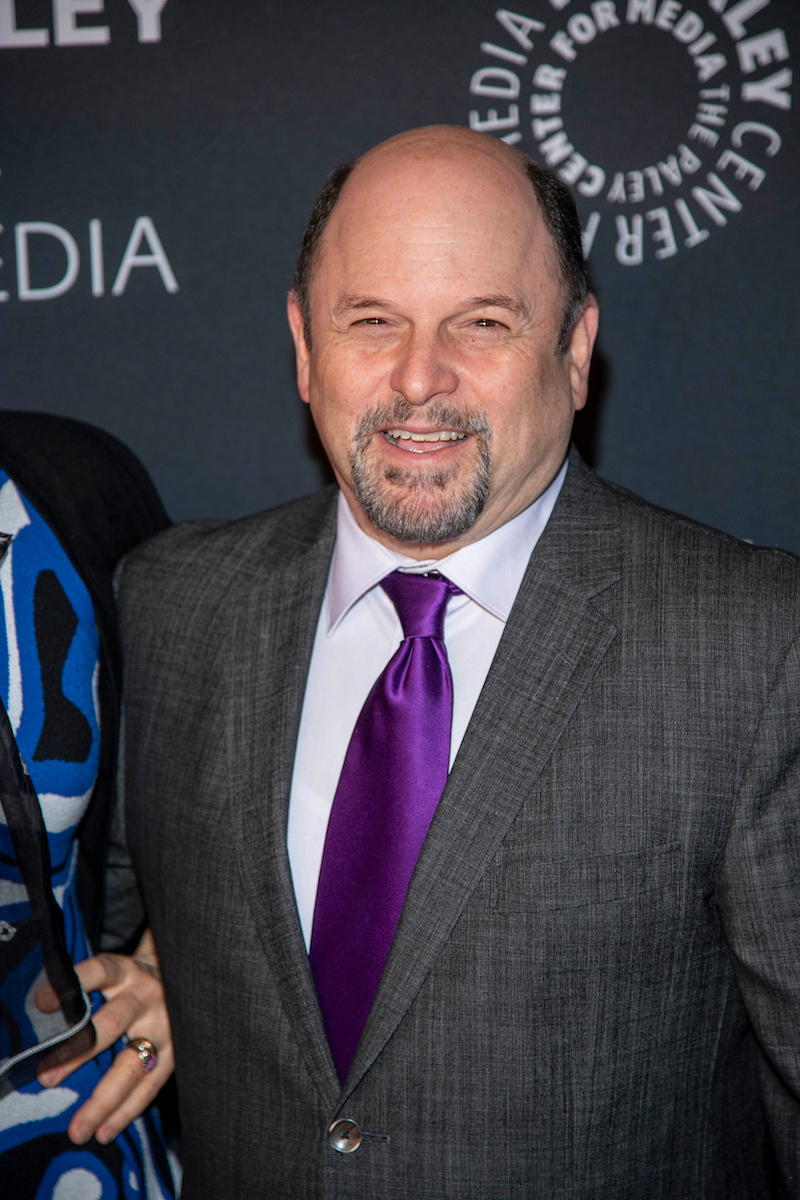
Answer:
[(526, 414), (335, 411), (549, 394), (341, 388), (333, 426)]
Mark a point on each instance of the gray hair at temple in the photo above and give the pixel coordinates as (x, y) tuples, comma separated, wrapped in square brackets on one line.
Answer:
[(556, 205)]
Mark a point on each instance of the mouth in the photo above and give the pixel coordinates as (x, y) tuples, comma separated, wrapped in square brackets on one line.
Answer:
[(423, 443)]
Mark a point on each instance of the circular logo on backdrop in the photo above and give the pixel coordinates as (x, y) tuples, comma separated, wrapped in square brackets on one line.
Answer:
[(664, 118)]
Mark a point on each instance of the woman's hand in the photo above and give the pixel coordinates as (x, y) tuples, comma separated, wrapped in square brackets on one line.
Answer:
[(132, 989)]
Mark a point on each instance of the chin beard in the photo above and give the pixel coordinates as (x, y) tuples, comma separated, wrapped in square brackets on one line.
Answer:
[(437, 506)]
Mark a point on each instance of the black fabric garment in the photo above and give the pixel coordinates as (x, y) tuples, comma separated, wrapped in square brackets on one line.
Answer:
[(100, 502)]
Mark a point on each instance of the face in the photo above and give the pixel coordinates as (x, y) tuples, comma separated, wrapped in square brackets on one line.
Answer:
[(434, 380)]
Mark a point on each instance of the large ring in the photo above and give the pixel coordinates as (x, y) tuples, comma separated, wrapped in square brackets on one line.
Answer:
[(148, 1055)]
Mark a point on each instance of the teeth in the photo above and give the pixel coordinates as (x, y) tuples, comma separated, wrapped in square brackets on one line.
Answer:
[(446, 435)]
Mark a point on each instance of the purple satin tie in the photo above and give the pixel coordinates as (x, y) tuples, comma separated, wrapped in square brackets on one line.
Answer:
[(392, 779)]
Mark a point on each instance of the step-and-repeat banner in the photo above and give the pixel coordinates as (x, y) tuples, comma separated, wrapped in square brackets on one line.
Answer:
[(159, 159)]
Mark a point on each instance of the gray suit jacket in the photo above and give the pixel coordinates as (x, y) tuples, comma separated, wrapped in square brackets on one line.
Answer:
[(594, 990)]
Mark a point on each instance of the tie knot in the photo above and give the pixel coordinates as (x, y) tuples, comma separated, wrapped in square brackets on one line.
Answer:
[(421, 602)]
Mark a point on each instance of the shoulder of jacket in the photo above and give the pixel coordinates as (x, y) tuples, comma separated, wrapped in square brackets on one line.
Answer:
[(240, 548), (693, 559)]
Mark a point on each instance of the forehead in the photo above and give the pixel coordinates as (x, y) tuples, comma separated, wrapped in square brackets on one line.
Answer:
[(437, 220)]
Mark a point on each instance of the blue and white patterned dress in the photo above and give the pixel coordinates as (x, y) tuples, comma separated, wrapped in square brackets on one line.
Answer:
[(49, 666)]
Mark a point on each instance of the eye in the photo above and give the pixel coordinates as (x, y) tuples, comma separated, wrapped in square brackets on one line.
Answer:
[(486, 323), (371, 321)]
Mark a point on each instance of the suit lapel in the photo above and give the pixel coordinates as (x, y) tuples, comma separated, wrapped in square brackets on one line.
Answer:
[(274, 618), (553, 644)]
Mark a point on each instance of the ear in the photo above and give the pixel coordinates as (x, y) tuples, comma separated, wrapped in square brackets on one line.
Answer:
[(580, 351), (301, 349)]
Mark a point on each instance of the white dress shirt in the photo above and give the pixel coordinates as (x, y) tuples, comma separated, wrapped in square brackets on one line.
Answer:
[(357, 634)]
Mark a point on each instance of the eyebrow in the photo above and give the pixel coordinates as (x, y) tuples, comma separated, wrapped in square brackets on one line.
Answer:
[(513, 304), (348, 303)]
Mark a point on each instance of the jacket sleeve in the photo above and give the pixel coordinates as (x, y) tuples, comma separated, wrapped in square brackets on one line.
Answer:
[(759, 896)]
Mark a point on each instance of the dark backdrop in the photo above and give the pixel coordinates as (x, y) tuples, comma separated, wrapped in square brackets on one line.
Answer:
[(218, 124)]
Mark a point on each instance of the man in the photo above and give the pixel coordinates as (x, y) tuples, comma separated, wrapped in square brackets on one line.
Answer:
[(575, 973)]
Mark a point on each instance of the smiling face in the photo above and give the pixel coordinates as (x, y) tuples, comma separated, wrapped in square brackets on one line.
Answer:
[(434, 379)]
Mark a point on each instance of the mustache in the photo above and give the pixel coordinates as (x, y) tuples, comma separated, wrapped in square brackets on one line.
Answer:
[(437, 412)]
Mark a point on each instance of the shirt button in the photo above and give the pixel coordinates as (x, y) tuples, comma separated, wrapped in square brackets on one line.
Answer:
[(344, 1135)]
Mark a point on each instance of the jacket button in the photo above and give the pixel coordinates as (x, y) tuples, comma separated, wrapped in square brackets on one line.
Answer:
[(344, 1135)]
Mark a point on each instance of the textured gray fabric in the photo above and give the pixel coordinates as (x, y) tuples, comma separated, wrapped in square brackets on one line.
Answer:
[(595, 986)]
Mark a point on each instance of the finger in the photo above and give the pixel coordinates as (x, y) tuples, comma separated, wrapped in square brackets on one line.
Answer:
[(101, 972), (139, 1099), (110, 1023), (114, 1018), (46, 999), (121, 1095)]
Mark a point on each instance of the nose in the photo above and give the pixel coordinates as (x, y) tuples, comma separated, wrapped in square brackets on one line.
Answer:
[(421, 370)]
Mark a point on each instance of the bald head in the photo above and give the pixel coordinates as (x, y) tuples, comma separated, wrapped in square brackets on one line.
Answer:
[(450, 147), (453, 171)]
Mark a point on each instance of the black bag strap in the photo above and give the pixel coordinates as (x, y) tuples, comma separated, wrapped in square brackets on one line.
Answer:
[(29, 838)]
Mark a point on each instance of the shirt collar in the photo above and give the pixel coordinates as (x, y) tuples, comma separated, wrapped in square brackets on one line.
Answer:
[(489, 571)]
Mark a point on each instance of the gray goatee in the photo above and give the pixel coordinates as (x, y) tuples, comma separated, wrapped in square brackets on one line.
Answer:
[(439, 506)]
